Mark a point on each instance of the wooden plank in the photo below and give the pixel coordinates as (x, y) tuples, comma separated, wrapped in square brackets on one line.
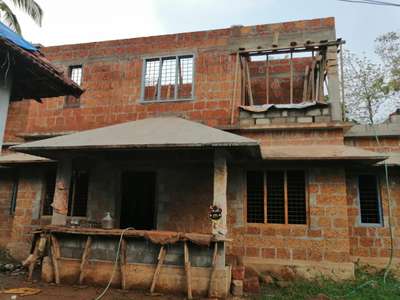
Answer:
[(291, 77), (188, 271), (55, 255), (33, 260), (122, 261), (305, 86), (321, 79), (161, 257), (312, 81), (248, 81), (235, 87), (85, 255), (213, 264), (243, 80), (267, 78)]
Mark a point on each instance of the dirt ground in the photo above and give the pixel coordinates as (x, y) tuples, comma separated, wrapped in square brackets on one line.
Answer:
[(64, 292)]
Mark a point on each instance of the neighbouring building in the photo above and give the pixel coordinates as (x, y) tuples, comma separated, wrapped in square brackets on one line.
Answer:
[(248, 119)]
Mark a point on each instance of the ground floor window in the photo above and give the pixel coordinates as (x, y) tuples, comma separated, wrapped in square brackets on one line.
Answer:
[(14, 192), (78, 193), (276, 197), (369, 200), (49, 187)]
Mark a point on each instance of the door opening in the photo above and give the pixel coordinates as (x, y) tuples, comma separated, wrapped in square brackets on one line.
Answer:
[(138, 200)]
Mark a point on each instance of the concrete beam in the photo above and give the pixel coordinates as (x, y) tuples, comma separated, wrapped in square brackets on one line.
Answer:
[(61, 193), (5, 93)]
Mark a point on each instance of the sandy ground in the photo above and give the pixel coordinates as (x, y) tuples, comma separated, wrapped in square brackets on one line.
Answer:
[(64, 292)]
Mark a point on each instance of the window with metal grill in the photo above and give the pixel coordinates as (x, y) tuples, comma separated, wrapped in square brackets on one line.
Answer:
[(75, 73), (78, 193), (282, 194), (255, 197), (50, 184), (168, 78), (368, 194), (14, 192)]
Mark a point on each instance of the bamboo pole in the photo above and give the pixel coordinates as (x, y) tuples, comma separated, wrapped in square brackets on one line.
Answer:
[(267, 78), (188, 271), (161, 257), (84, 259), (235, 88)]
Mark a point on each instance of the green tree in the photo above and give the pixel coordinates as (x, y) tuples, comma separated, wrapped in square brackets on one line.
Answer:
[(30, 7)]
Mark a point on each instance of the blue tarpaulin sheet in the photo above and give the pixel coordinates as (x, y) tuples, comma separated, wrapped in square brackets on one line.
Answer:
[(15, 38)]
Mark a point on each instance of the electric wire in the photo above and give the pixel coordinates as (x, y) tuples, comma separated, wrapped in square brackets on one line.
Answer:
[(373, 2), (115, 264)]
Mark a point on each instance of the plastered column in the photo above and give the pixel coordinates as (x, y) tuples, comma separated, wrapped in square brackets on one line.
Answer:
[(5, 93), (60, 201), (220, 200)]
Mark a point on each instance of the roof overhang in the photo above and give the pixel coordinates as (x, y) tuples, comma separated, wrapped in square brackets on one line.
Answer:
[(392, 161), (34, 77), (21, 158), (153, 133), (319, 152)]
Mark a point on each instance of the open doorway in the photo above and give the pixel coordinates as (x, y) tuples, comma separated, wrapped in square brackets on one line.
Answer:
[(138, 200)]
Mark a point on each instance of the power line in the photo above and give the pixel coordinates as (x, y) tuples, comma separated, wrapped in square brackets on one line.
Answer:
[(373, 2)]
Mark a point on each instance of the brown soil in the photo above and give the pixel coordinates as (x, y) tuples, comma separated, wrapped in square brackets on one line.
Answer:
[(65, 292)]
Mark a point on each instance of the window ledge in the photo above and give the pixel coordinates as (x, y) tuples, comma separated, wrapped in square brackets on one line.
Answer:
[(276, 225), (142, 101)]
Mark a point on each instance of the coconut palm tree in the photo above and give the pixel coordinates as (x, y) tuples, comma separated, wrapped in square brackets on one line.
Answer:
[(30, 7)]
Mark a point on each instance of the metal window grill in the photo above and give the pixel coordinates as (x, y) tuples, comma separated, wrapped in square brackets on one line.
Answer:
[(168, 78), (369, 199), (296, 197), (276, 197), (50, 183), (14, 192), (76, 74), (255, 197)]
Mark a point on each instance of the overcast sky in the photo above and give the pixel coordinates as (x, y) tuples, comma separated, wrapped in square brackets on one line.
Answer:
[(77, 21)]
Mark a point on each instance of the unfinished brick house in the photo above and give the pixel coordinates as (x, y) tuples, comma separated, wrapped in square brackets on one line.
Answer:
[(248, 119)]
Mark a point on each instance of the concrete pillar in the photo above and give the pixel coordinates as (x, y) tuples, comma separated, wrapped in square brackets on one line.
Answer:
[(334, 84), (220, 200), (5, 93), (60, 201)]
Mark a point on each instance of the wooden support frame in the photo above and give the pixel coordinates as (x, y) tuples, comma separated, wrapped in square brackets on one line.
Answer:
[(122, 262), (33, 259), (248, 82), (55, 255), (161, 257), (188, 270), (213, 268), (85, 256), (235, 87)]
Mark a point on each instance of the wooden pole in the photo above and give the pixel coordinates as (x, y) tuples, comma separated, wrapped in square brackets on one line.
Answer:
[(33, 260), (188, 271), (291, 77), (267, 78), (249, 83), (122, 262), (85, 255), (213, 268), (235, 88), (305, 86), (161, 257), (55, 255)]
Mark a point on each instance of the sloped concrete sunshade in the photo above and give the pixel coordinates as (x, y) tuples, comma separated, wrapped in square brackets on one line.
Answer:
[(319, 152), (160, 132)]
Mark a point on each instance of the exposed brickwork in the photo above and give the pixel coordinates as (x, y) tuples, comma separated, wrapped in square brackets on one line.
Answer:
[(5, 196), (112, 74)]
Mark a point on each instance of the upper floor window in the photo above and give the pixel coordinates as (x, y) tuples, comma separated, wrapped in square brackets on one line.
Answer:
[(370, 203), (75, 73), (168, 78), (276, 197)]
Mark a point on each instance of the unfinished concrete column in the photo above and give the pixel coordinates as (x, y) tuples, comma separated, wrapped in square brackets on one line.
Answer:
[(333, 84), (5, 93), (60, 201), (220, 191)]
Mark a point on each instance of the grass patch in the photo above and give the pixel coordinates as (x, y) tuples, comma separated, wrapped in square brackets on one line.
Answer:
[(366, 285)]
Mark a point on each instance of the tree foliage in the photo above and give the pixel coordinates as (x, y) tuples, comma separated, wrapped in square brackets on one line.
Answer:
[(30, 7), (372, 89)]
